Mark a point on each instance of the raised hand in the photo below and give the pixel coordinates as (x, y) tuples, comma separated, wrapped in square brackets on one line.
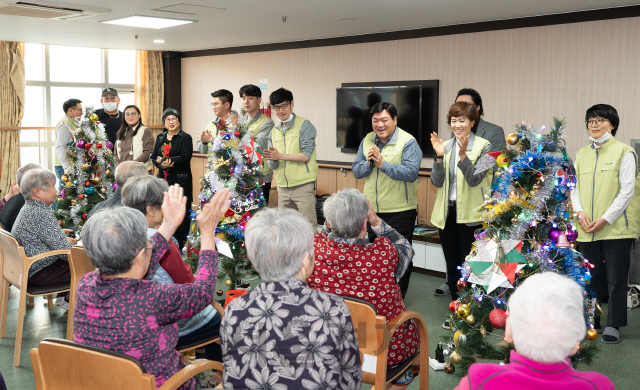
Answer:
[(463, 142), (372, 217), (271, 154), (174, 207), (205, 136), (233, 119), (375, 156), (438, 145), (210, 216)]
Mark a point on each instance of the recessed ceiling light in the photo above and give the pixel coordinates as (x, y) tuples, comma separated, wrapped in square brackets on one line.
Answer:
[(346, 19), (149, 22), (158, 41)]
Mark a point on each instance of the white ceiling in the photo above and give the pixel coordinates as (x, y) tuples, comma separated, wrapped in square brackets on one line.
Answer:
[(251, 22)]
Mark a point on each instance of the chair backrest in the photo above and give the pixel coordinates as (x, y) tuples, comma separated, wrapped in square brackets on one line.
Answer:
[(80, 265), (364, 317), (12, 255), (62, 364)]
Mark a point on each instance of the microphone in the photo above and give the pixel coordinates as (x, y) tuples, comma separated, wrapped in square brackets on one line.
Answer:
[(371, 162)]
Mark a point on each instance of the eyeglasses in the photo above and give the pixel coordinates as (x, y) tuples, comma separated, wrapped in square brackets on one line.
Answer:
[(283, 106), (171, 119), (132, 114), (596, 122), (77, 109)]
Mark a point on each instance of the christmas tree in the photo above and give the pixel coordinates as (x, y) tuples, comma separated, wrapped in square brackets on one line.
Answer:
[(528, 227), (234, 162), (90, 179)]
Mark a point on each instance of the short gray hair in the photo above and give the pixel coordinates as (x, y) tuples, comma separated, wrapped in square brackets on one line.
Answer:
[(144, 191), (36, 178), (114, 237), (546, 316), (346, 212), (24, 169), (128, 169), (277, 240)]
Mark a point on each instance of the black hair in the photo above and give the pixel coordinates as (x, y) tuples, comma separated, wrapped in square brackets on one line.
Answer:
[(475, 96), (384, 106), (250, 90), (604, 111), (224, 95), (123, 127), (280, 95), (70, 103)]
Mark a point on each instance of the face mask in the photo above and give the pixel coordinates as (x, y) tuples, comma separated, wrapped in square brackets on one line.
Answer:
[(110, 106), (600, 140), (289, 119)]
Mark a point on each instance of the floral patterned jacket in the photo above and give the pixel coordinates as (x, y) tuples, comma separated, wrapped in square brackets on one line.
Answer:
[(138, 317), (286, 336)]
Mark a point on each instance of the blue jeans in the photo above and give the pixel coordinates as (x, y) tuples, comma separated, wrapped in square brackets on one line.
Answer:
[(59, 172)]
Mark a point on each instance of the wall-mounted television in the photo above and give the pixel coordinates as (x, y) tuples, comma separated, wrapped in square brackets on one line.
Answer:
[(416, 102)]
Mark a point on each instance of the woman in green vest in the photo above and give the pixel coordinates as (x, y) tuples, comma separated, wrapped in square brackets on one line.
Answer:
[(607, 199), (460, 192)]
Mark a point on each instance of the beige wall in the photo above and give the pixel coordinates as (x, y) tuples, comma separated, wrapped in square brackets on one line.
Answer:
[(524, 74)]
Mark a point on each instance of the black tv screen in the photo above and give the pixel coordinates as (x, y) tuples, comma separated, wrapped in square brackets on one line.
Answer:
[(416, 102)]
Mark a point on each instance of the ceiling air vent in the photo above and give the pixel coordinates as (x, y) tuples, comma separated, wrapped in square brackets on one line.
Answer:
[(47, 10)]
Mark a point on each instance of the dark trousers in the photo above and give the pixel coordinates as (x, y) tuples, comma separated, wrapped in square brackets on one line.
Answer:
[(266, 188), (609, 276), (213, 351), (56, 273), (183, 230), (403, 222), (456, 239)]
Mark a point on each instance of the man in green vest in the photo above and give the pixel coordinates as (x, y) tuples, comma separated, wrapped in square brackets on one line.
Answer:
[(260, 127), (221, 102), (73, 111), (292, 151), (389, 158)]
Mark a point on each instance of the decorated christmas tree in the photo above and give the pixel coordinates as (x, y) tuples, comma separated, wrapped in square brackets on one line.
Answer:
[(234, 162), (528, 227), (90, 179)]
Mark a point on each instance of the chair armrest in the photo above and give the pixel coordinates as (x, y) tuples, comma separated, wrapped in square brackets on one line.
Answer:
[(189, 372), (31, 260), (218, 307)]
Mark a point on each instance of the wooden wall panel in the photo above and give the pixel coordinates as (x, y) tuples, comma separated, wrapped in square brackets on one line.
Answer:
[(326, 183), (522, 74)]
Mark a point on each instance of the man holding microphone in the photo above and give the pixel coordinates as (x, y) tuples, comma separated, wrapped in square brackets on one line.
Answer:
[(389, 160)]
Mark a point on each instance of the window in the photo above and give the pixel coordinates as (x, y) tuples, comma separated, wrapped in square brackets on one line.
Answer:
[(57, 73)]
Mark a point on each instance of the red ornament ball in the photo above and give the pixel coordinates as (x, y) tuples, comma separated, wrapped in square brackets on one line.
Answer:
[(454, 305), (498, 318), (81, 196), (60, 223), (230, 213), (99, 145), (87, 146), (87, 183), (237, 134), (461, 285)]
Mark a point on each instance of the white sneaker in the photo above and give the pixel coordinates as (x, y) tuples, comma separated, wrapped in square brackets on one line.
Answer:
[(63, 302)]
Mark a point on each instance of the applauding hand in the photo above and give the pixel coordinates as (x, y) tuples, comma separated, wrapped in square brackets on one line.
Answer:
[(438, 145), (174, 207), (210, 216), (463, 142), (372, 217)]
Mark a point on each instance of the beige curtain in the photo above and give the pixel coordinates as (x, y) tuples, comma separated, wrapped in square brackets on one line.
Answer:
[(12, 101), (149, 89)]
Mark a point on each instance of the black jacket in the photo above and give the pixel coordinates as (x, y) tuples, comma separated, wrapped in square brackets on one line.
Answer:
[(10, 211), (180, 155)]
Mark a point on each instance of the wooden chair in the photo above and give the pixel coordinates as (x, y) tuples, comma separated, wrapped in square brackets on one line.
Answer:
[(62, 364), (374, 334), (14, 265), (184, 349), (80, 265)]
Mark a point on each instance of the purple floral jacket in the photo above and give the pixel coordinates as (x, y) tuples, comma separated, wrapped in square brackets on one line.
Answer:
[(138, 317)]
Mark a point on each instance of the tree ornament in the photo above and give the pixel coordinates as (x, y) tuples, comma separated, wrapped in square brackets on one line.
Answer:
[(74, 202), (453, 306), (80, 143), (64, 178), (498, 318), (502, 160), (96, 180), (84, 217), (575, 215), (514, 220), (69, 184), (228, 282), (554, 234), (114, 186), (60, 223), (90, 190), (463, 311), (455, 357), (229, 213), (449, 368), (87, 146), (219, 292), (483, 331), (237, 134), (94, 118), (81, 196), (572, 235), (86, 167), (471, 319), (87, 183), (109, 145), (499, 174), (592, 334), (108, 171), (461, 285), (99, 145), (103, 190), (513, 139), (456, 337)]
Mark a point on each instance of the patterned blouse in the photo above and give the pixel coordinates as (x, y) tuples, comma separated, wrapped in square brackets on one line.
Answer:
[(37, 229), (138, 317), (286, 336), (354, 267)]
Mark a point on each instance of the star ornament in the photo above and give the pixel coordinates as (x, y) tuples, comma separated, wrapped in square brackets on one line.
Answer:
[(491, 269)]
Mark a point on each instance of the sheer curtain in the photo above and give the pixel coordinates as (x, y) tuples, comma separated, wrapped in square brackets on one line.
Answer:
[(12, 103)]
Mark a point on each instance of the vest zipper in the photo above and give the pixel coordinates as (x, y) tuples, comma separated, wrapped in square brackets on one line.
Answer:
[(626, 220), (377, 205), (406, 192), (593, 190), (445, 198), (284, 136)]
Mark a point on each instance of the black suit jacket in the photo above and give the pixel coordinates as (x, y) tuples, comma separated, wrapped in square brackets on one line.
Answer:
[(180, 155)]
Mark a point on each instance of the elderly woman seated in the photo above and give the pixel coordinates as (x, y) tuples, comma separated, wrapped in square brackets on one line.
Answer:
[(284, 335), (542, 346), (118, 308), (146, 194), (347, 264), (38, 230)]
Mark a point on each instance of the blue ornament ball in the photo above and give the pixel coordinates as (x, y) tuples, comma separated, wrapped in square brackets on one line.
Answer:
[(89, 190), (226, 136)]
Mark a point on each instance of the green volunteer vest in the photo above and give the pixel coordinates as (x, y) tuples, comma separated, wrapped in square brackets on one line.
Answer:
[(385, 194), (598, 186), (72, 125), (291, 174), (254, 126), (468, 198)]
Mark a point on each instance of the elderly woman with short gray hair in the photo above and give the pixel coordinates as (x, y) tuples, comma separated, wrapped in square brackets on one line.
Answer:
[(347, 264), (118, 308), (546, 326), (38, 230), (284, 334), (146, 194)]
